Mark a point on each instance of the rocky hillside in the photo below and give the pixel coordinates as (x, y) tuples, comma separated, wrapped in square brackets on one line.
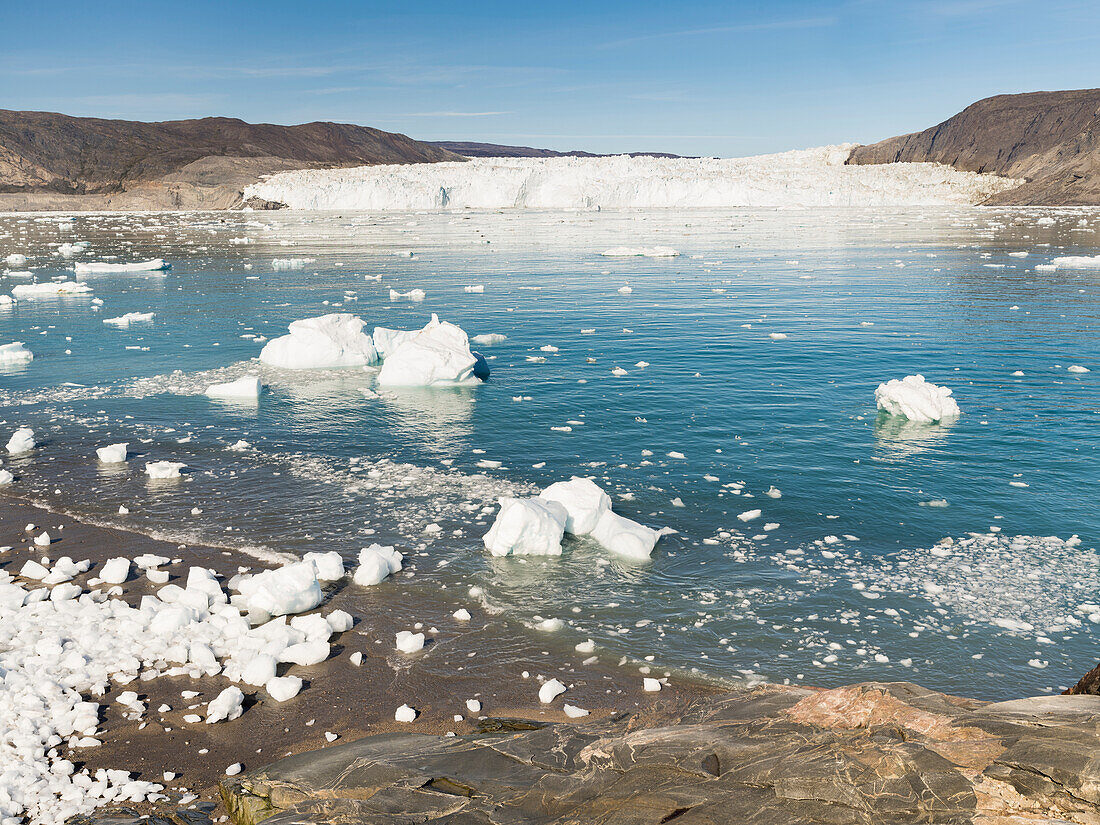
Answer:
[(48, 158), (1051, 140)]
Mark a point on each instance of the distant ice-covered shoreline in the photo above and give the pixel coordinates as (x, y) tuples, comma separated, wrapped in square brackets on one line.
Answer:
[(806, 177)]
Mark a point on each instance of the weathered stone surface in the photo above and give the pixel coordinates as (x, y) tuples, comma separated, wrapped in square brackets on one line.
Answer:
[(1051, 140), (868, 754)]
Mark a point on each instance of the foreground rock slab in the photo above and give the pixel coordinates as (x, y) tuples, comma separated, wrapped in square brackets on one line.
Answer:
[(871, 754)]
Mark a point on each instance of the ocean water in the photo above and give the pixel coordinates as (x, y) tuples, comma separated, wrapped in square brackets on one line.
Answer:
[(843, 578)]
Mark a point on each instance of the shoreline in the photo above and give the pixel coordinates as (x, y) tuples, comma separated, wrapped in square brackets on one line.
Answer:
[(337, 697)]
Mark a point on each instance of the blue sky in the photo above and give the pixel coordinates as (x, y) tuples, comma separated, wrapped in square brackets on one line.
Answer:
[(706, 78)]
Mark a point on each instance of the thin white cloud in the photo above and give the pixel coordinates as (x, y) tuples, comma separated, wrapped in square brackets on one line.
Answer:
[(451, 114), (736, 28)]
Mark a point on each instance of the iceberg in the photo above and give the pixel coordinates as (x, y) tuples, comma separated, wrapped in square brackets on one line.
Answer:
[(584, 503), (97, 268), (21, 441), (246, 388), (112, 453), (130, 318), (164, 469), (806, 177), (51, 288), (917, 399), (327, 341), (439, 354), (625, 537), (527, 527), (15, 353)]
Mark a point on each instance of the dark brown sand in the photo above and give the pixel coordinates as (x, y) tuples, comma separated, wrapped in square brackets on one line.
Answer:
[(337, 697)]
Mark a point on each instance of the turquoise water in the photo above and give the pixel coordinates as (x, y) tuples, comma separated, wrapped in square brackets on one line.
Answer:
[(845, 588)]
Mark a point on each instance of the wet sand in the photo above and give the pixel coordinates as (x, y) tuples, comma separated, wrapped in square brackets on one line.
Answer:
[(462, 660)]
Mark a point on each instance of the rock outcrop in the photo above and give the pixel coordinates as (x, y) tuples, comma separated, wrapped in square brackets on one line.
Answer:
[(55, 161), (1051, 140), (869, 754)]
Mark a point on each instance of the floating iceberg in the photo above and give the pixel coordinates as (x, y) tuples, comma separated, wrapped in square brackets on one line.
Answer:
[(625, 537), (411, 295), (917, 400), (640, 252), (21, 441), (15, 353), (387, 340), (130, 318), (97, 268), (51, 288), (584, 503), (439, 354), (808, 177), (527, 527), (164, 469), (335, 340), (1074, 262), (112, 454), (246, 388)]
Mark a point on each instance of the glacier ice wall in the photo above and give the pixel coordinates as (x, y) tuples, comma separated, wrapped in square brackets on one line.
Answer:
[(807, 177)]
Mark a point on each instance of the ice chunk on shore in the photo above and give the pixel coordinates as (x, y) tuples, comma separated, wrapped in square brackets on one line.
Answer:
[(625, 537), (376, 563), (164, 469), (21, 441), (130, 318), (282, 688), (584, 503), (438, 354), (226, 706), (6, 478), (115, 571), (292, 588), (550, 690), (329, 565), (97, 268), (327, 341), (15, 353), (527, 526), (243, 389), (112, 453), (917, 399), (405, 714), (51, 288)]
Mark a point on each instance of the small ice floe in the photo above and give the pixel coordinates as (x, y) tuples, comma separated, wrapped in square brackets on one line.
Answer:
[(462, 615), (411, 295), (625, 290), (917, 399), (474, 288), (16, 259), (749, 515), (327, 341), (489, 339), (651, 685), (21, 441), (409, 642), (112, 453), (130, 318), (15, 353), (164, 469), (640, 252), (284, 264), (97, 268), (1077, 368), (773, 492), (51, 288), (778, 336), (618, 372), (1075, 262), (245, 388), (376, 563), (550, 690)]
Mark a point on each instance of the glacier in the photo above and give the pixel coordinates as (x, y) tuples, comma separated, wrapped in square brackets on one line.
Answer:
[(802, 178)]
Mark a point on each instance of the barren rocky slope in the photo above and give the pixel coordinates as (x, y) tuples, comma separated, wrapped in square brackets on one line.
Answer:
[(54, 161), (1049, 139)]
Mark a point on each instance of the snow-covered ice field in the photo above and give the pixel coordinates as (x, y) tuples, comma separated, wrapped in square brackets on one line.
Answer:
[(801, 178), (726, 392)]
